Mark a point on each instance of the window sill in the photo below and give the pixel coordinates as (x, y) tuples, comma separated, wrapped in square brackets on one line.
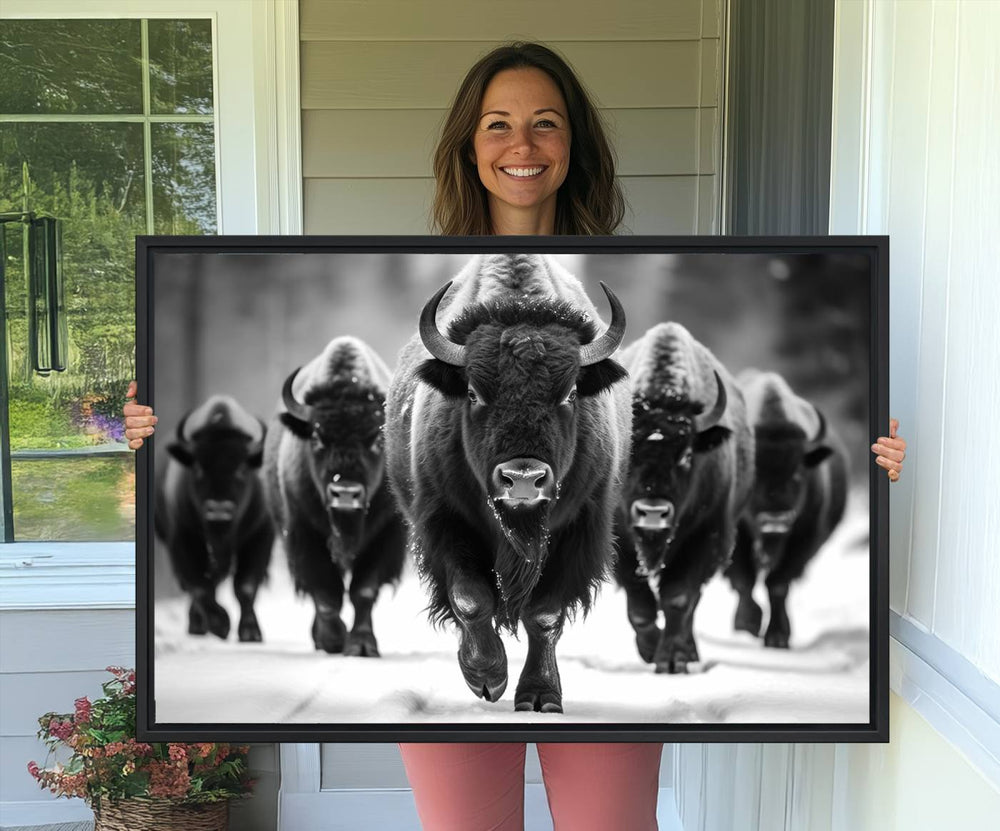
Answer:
[(67, 575)]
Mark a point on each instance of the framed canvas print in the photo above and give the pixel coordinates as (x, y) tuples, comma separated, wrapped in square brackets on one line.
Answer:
[(543, 489)]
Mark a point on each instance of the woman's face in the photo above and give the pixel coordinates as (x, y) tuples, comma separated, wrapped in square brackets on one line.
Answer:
[(521, 143)]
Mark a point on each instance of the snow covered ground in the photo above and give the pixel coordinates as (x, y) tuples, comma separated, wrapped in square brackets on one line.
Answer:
[(823, 678)]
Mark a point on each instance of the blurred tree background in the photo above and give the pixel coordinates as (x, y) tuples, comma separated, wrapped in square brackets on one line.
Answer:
[(107, 125)]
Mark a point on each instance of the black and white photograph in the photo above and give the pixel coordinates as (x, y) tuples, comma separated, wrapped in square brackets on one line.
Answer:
[(417, 487)]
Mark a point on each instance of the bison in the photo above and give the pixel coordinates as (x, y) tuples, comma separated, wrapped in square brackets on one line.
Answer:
[(507, 444), (209, 511), (798, 498), (324, 474), (692, 468)]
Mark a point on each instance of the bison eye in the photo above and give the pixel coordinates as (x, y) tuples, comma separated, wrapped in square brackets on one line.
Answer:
[(571, 398), (473, 398)]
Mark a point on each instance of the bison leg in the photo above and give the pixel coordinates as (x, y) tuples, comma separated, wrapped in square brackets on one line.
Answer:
[(383, 554), (742, 574), (538, 688), (481, 655), (641, 602), (206, 615), (779, 628), (677, 647), (251, 568)]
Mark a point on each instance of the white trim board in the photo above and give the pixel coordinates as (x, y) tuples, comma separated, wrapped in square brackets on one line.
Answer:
[(949, 709), (64, 575)]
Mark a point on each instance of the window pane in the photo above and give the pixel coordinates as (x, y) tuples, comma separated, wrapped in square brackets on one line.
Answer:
[(75, 499), (70, 66), (91, 177), (184, 179), (180, 66)]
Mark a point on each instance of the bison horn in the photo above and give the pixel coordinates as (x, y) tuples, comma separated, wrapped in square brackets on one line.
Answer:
[(821, 432), (436, 343), (300, 411), (705, 421), (258, 444), (180, 428), (605, 345)]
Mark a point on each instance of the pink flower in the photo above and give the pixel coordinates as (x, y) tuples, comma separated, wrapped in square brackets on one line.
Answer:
[(178, 752), (82, 710), (34, 770), (61, 729)]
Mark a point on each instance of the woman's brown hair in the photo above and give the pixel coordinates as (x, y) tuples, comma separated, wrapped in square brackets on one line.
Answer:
[(590, 200)]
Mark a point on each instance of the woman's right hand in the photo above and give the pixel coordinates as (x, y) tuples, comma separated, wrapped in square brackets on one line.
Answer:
[(139, 418)]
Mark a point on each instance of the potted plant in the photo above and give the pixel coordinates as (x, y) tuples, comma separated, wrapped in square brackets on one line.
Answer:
[(135, 785)]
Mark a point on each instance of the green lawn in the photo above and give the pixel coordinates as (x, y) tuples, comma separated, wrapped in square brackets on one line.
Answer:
[(74, 499)]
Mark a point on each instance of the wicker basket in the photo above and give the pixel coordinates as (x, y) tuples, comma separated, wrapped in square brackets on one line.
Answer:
[(161, 815)]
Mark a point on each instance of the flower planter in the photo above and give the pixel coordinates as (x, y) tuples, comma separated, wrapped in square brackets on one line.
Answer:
[(161, 815)]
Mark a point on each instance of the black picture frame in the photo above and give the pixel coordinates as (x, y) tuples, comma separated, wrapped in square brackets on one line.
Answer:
[(150, 250)]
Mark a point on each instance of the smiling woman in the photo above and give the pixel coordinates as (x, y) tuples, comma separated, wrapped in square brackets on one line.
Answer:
[(521, 149), (521, 108)]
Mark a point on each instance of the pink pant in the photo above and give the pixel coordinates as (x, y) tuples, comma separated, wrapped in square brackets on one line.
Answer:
[(480, 787)]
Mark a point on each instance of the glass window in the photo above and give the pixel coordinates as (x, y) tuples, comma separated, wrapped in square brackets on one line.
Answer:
[(108, 126)]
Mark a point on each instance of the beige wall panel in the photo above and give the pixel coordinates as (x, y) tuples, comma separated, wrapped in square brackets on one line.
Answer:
[(655, 142), (425, 75), (709, 214), (711, 71), (400, 143), (660, 204), (376, 143), (25, 696), (708, 140), (367, 206), (711, 18), (487, 20), (16, 784), (87, 640)]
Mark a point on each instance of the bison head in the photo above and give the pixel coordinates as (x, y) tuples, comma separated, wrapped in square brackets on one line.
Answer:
[(670, 436), (785, 455), (342, 422), (523, 374), (222, 460)]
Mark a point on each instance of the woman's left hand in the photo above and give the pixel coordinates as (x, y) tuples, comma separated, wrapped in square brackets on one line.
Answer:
[(890, 451)]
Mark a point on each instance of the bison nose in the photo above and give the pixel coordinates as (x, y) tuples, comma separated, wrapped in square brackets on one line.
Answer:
[(345, 495), (775, 522), (522, 482), (219, 510), (654, 514)]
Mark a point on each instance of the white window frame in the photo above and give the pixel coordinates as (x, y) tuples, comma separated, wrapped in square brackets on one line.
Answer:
[(259, 191)]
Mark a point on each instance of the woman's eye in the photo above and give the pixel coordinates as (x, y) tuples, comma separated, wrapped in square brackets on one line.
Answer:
[(546, 123), (496, 125)]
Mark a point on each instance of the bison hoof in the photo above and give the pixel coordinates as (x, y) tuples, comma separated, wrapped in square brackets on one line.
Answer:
[(361, 645), (249, 632), (748, 618), (776, 639), (489, 683), (329, 634), (539, 699), (489, 687), (674, 656), (197, 625), (647, 638), (218, 622)]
